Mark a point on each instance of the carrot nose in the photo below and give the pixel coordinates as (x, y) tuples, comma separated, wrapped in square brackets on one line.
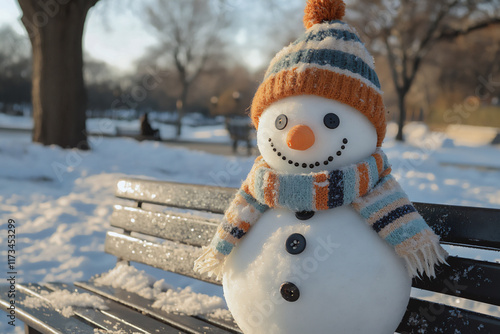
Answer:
[(300, 137)]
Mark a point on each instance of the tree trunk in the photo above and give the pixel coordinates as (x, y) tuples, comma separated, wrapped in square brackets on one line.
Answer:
[(402, 114), (58, 94), (181, 107)]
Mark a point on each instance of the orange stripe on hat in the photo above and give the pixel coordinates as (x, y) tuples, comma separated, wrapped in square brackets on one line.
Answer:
[(323, 83)]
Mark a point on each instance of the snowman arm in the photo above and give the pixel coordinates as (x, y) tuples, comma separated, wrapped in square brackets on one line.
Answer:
[(243, 212), (390, 213)]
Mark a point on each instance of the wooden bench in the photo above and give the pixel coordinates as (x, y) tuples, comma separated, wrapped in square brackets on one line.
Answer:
[(134, 133), (240, 130), (185, 233)]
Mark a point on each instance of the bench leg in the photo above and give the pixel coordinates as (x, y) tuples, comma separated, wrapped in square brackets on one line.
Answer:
[(29, 330), (235, 146)]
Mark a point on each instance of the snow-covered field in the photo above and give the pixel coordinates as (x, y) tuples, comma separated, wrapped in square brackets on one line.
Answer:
[(211, 133), (61, 200)]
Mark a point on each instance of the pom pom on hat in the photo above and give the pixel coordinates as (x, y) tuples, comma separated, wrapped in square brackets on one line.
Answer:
[(318, 11)]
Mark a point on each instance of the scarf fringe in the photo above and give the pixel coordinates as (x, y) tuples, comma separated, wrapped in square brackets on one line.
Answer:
[(209, 262), (422, 261)]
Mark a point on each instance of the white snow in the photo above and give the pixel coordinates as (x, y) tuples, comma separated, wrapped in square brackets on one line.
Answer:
[(207, 133), (65, 301), (133, 280), (188, 302), (62, 200), (166, 298), (15, 122)]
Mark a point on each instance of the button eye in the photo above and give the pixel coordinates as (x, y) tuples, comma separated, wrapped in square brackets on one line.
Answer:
[(281, 122), (331, 120)]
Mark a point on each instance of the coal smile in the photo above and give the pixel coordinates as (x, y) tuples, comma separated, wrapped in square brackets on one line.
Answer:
[(311, 165)]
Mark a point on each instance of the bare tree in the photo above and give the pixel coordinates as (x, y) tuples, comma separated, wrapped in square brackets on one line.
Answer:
[(15, 69), (406, 30), (58, 94), (189, 33)]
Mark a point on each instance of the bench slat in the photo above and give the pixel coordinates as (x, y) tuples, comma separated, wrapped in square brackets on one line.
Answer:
[(198, 231), (117, 317), (462, 225), (176, 258), (459, 225), (179, 195), (144, 305), (39, 318), (467, 278), (428, 317), (189, 229)]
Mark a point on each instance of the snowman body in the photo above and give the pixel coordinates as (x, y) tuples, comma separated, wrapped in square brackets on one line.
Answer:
[(348, 279)]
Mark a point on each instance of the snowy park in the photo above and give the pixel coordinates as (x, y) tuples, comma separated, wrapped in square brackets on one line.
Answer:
[(250, 167), (62, 199)]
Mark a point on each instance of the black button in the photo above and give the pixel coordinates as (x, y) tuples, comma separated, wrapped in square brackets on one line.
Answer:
[(289, 292), (295, 244), (304, 215), (331, 120)]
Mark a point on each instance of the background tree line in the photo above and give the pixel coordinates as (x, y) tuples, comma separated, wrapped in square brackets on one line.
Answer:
[(431, 55)]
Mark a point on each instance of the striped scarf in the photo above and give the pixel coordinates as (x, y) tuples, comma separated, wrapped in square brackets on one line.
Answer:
[(367, 186)]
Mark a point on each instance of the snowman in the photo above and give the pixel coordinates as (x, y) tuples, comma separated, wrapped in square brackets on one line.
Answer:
[(320, 237)]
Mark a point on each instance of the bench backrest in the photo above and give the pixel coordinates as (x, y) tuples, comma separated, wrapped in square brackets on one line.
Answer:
[(185, 233)]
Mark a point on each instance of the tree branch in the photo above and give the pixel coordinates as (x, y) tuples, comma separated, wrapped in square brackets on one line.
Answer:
[(454, 33), (392, 63)]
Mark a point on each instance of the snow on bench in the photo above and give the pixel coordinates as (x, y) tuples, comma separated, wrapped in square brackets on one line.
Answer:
[(165, 225)]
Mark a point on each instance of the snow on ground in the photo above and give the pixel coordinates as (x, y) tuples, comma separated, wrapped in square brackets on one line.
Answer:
[(61, 200), (206, 133), (15, 122)]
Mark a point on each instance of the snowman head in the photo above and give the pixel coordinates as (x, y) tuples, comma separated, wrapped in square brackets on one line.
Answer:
[(307, 133), (320, 104)]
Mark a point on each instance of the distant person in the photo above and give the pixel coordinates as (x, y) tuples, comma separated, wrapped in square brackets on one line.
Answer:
[(147, 130)]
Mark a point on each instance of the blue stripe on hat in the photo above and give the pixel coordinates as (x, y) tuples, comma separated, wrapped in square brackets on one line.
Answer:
[(320, 35), (334, 58)]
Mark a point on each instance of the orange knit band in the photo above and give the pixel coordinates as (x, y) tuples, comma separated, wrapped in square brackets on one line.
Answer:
[(323, 83)]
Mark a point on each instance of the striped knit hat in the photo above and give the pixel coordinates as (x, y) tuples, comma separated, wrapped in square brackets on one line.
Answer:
[(328, 60)]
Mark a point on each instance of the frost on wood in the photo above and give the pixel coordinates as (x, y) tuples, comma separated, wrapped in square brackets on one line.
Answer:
[(187, 228), (121, 331), (168, 256), (64, 301)]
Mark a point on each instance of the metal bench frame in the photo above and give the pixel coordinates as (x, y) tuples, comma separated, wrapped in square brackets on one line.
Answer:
[(471, 279)]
